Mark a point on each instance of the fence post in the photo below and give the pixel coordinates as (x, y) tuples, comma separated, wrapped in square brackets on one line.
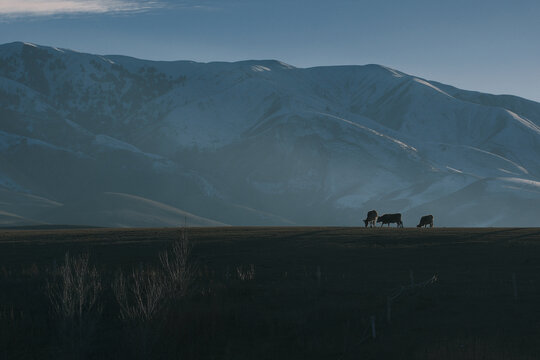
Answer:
[(411, 275), (373, 333), (389, 309), (515, 286)]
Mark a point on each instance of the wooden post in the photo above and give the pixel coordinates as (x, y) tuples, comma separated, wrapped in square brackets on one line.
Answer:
[(373, 333), (389, 309), (515, 286), (411, 275)]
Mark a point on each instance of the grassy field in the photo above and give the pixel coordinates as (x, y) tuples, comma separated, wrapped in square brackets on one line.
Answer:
[(284, 293)]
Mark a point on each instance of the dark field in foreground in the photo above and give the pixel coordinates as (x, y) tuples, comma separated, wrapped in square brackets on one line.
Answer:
[(288, 293)]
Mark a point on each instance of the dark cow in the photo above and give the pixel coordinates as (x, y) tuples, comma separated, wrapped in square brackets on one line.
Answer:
[(371, 218), (389, 219), (425, 221)]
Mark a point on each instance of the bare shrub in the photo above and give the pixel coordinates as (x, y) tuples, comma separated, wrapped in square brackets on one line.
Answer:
[(179, 270), (74, 292), (246, 273), (145, 296), (140, 295)]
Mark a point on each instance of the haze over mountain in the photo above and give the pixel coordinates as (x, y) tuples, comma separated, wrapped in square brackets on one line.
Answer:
[(118, 141)]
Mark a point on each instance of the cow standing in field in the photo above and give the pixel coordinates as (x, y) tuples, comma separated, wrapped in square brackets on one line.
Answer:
[(371, 218), (425, 221), (389, 219)]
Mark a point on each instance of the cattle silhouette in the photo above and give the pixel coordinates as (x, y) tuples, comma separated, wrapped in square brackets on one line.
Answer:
[(425, 221), (390, 219), (371, 218)]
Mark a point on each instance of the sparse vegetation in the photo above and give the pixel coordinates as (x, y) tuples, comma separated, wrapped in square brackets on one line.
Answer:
[(269, 293), (140, 296), (178, 269), (74, 292), (147, 296)]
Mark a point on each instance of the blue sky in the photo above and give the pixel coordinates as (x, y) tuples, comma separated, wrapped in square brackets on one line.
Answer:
[(491, 46)]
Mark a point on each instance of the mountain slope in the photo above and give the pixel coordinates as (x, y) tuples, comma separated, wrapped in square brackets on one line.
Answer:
[(258, 143)]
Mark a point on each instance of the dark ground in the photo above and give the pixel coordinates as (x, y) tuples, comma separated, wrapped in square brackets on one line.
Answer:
[(312, 297)]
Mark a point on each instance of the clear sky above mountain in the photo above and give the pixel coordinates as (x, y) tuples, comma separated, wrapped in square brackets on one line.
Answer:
[(490, 46)]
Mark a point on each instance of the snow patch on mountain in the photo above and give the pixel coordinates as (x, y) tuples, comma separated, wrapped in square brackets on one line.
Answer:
[(112, 143), (470, 160), (8, 183), (424, 82), (525, 187), (9, 141), (259, 68), (401, 144), (524, 122)]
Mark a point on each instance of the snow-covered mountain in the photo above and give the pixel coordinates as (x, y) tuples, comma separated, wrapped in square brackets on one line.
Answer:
[(117, 141)]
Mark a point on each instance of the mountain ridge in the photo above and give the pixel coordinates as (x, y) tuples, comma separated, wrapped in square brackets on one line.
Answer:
[(319, 145)]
